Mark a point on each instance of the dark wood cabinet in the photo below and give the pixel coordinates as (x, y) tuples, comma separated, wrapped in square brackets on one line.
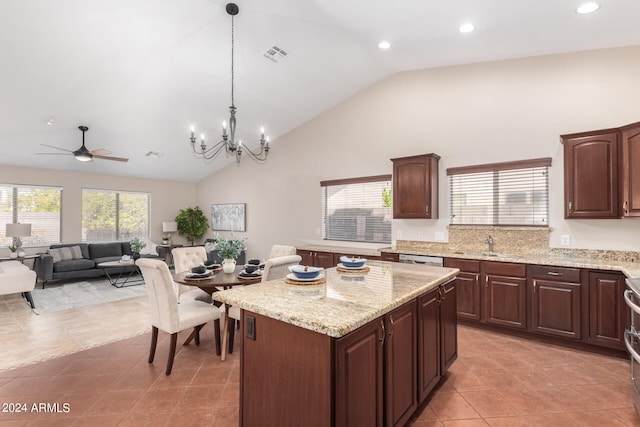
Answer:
[(359, 366), (505, 294), (467, 285), (556, 301), (415, 186), (429, 360), (630, 168), (317, 258), (448, 325), (389, 256), (608, 313), (591, 174), (400, 364)]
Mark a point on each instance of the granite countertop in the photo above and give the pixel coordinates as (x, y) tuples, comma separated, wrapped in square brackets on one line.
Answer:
[(345, 302), (343, 250)]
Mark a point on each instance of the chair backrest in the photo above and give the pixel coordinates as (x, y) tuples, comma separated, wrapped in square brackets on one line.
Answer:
[(186, 257), (281, 250), (163, 301), (277, 268)]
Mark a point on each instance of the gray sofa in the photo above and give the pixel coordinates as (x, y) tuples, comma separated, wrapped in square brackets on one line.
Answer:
[(84, 264)]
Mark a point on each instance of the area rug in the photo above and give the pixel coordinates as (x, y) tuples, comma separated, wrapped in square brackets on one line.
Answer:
[(59, 296)]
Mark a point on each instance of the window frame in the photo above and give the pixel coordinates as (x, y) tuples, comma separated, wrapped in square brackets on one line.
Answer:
[(118, 226), (496, 168)]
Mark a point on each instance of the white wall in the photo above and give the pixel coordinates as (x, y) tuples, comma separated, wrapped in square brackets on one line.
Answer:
[(167, 197), (472, 114)]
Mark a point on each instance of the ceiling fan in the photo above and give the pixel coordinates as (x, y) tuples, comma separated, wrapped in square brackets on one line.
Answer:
[(85, 155)]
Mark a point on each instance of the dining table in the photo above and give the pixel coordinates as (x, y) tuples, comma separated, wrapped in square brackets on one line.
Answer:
[(218, 280)]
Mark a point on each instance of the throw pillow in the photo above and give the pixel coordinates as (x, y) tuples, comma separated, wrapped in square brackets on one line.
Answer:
[(150, 249), (66, 253)]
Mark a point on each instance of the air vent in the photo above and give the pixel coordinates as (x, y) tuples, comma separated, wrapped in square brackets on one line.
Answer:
[(275, 54), (154, 154)]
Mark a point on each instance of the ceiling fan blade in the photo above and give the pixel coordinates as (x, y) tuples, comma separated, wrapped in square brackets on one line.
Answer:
[(117, 159), (100, 152), (57, 148), (55, 154)]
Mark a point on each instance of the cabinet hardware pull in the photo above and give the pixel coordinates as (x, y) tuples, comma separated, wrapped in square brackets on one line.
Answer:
[(383, 333), (442, 293), (534, 286), (625, 207), (554, 273), (391, 328), (486, 281), (427, 209), (570, 207)]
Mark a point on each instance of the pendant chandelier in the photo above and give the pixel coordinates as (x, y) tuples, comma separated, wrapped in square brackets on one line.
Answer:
[(228, 143)]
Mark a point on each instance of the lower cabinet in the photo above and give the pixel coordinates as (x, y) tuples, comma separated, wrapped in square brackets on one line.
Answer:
[(608, 313), (505, 294), (467, 287), (316, 258)]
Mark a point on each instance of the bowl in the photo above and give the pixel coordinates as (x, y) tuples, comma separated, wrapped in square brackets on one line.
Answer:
[(250, 268), (352, 262), (199, 269), (254, 262), (213, 266), (305, 271)]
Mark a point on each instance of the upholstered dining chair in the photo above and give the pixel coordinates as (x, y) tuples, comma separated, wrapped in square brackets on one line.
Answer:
[(274, 268), (281, 250), (168, 315), (183, 259)]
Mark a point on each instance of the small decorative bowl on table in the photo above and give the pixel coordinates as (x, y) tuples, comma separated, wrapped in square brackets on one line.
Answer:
[(305, 274), (352, 265)]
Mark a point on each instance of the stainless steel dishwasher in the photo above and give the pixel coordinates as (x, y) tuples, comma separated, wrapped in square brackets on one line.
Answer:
[(632, 336), (421, 259)]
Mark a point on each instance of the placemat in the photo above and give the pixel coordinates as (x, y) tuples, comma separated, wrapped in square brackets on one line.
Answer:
[(195, 279), (241, 277), (353, 270), (312, 282)]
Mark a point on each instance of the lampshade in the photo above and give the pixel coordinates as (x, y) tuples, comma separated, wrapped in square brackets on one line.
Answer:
[(169, 227), (18, 230)]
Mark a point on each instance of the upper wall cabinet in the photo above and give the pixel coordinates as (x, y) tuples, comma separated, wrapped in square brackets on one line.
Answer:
[(630, 165), (602, 173), (591, 174), (415, 186)]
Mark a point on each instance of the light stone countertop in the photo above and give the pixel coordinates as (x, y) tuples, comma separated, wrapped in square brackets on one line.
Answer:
[(343, 250), (345, 302)]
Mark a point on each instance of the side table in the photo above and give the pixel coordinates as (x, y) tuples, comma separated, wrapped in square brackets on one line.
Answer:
[(168, 257)]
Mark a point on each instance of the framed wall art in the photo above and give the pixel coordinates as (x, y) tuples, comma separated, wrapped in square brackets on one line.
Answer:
[(228, 217)]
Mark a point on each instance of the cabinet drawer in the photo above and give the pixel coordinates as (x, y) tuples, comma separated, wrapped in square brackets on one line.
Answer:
[(562, 274), (505, 269), (468, 265)]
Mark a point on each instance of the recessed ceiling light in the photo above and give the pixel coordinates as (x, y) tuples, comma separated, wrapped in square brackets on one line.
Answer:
[(466, 28), (384, 44), (588, 7)]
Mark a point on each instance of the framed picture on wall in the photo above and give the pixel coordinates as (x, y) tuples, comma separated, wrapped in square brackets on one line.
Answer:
[(228, 217)]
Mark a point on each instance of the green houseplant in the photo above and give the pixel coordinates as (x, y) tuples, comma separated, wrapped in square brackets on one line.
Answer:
[(192, 224), (229, 250), (136, 246)]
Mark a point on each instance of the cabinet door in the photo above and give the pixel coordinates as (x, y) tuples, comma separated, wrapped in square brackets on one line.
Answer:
[(415, 187), (505, 301), (556, 308), (389, 256), (307, 257), (631, 170), (467, 285), (591, 175), (323, 259), (448, 325), (359, 376), (608, 313), (428, 343), (400, 374)]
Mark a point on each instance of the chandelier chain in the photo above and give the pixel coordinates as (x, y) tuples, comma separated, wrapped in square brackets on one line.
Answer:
[(233, 103)]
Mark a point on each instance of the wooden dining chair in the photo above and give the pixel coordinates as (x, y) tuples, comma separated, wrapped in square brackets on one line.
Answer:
[(168, 315), (282, 250), (274, 268)]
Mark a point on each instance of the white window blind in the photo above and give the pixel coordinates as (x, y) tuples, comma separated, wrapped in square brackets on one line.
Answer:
[(357, 209), (114, 215), (39, 206), (512, 193)]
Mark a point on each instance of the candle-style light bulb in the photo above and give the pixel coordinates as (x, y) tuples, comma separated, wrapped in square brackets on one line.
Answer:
[(193, 129), (224, 128), (262, 132), (202, 137)]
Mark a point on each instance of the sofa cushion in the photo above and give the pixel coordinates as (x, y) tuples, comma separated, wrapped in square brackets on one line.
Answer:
[(84, 248), (66, 253), (103, 250), (73, 265)]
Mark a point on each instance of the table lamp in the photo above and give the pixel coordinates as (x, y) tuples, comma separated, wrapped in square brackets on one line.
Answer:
[(17, 231), (169, 227)]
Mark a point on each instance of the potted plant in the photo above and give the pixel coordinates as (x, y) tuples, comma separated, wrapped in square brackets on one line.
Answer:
[(165, 239), (136, 246), (229, 250), (192, 224), (14, 251)]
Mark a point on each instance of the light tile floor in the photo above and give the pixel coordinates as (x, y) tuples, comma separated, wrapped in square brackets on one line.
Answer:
[(497, 380)]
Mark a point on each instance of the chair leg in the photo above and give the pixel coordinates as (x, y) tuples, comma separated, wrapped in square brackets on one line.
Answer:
[(232, 328), (154, 342), (29, 298), (172, 352), (216, 329), (196, 331)]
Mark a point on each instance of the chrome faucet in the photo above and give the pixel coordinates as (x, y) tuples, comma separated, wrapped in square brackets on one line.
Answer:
[(489, 242)]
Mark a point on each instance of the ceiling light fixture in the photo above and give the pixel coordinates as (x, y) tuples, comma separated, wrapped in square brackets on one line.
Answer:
[(384, 44), (466, 28), (588, 7), (228, 142)]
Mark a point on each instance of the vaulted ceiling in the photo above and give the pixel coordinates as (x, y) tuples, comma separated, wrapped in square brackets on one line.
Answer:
[(139, 73)]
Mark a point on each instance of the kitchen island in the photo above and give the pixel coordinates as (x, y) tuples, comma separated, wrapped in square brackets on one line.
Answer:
[(360, 349)]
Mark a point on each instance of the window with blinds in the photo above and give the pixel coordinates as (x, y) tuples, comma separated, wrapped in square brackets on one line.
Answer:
[(357, 209), (39, 206), (114, 215), (511, 193)]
